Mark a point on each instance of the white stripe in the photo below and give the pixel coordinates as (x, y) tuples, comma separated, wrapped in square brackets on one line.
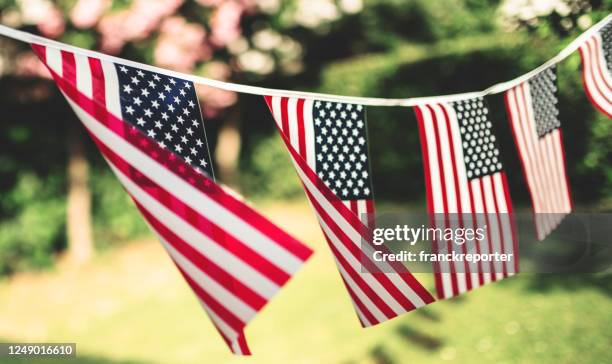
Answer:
[(277, 112), (224, 327), (226, 298), (192, 197), (553, 161), (604, 75), (493, 223), (565, 195), (111, 88), (355, 238), (200, 242), (83, 75), (374, 285), (292, 134), (497, 88), (432, 154), (506, 224), (481, 222), (309, 135), (54, 60), (590, 74), (464, 193)]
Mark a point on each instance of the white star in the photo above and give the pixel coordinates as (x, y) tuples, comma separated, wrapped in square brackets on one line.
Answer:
[(148, 113), (191, 104), (167, 88), (199, 143), (184, 139), (174, 128), (193, 151), (129, 110), (151, 133), (188, 160), (144, 92), (164, 116), (344, 191), (127, 88), (139, 72), (194, 122), (182, 92), (180, 119), (137, 101), (366, 191), (135, 80), (162, 96), (203, 163), (189, 131), (185, 111), (156, 77), (354, 115), (158, 124), (178, 148), (168, 136), (171, 108), (123, 69), (177, 100), (155, 104), (140, 121), (172, 81), (162, 144), (152, 84)]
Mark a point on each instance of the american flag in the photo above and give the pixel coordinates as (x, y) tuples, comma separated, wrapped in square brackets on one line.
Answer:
[(596, 53), (328, 145), (466, 187), (534, 117), (149, 128)]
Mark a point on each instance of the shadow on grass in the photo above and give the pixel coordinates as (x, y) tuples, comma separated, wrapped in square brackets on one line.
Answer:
[(548, 282)]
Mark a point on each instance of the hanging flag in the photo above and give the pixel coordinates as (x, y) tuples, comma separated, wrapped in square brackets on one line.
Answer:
[(596, 53), (149, 128), (466, 188), (327, 142), (534, 117)]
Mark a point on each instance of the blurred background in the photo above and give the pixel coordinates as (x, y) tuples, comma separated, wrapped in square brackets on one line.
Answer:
[(77, 263)]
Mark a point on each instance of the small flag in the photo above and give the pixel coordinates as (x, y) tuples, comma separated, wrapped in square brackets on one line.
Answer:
[(328, 145), (596, 53), (466, 188), (149, 128), (534, 117)]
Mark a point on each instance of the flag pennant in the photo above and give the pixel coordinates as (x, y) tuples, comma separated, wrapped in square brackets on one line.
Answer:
[(327, 142), (466, 188), (149, 128), (596, 53), (534, 119)]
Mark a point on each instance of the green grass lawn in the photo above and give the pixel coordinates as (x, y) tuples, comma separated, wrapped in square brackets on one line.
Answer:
[(131, 305)]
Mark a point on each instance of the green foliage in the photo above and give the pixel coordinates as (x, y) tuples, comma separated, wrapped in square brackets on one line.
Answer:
[(34, 232), (116, 219), (270, 173)]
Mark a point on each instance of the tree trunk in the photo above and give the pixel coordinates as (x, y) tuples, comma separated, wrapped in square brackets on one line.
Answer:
[(79, 229), (228, 151)]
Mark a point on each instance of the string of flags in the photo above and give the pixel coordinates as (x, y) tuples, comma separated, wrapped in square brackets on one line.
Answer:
[(147, 124)]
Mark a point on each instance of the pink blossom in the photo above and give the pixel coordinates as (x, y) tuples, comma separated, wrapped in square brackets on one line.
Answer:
[(181, 45), (225, 22), (53, 24), (28, 64), (214, 100), (86, 13)]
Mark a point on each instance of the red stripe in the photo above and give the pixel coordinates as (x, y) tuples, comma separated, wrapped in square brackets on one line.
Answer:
[(183, 170), (213, 270), (515, 248), (458, 192), (69, 67), (499, 223), (428, 192), (515, 136), (601, 68), (585, 71), (360, 305), (97, 79), (217, 234), (300, 125), (365, 261), (40, 52), (452, 273), (476, 242), (595, 69), (285, 115), (486, 214), (564, 165)]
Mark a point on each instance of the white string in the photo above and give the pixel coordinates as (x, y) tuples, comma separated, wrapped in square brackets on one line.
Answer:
[(254, 90)]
